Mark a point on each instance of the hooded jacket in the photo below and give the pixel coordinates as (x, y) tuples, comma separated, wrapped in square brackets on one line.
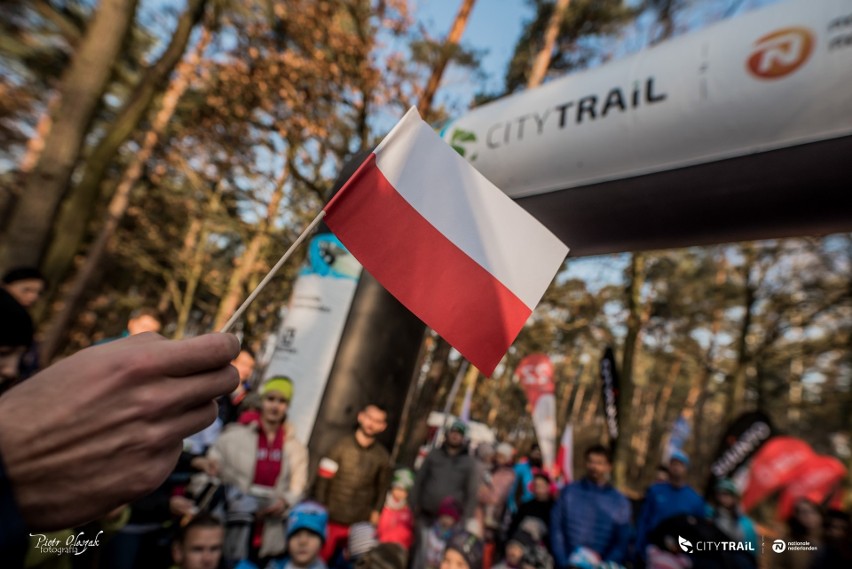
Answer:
[(442, 475)]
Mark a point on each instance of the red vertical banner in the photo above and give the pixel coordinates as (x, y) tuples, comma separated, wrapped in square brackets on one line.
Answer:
[(817, 480), (535, 374), (775, 466)]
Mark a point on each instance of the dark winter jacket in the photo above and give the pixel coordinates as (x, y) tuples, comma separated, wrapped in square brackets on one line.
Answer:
[(353, 480), (442, 475), (532, 509), (662, 501), (592, 516)]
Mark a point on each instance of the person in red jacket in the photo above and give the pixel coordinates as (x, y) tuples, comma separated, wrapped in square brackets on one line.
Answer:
[(396, 522)]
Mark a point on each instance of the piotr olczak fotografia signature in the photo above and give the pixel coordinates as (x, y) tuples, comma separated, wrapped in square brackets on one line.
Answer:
[(74, 544)]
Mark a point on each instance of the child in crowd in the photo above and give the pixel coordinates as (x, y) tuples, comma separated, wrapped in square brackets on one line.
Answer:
[(362, 540), (449, 514), (384, 556), (463, 551), (518, 546), (306, 526), (396, 523)]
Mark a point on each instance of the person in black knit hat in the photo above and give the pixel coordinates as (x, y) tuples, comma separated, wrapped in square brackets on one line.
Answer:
[(16, 335)]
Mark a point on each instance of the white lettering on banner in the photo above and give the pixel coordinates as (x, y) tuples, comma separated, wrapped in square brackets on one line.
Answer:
[(687, 546), (609, 393), (745, 445)]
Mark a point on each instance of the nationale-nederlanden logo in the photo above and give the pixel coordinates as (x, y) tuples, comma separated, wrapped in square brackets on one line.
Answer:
[(780, 546), (686, 546), (74, 544), (780, 53)]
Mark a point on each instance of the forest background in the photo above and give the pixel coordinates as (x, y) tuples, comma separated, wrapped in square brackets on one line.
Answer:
[(163, 154)]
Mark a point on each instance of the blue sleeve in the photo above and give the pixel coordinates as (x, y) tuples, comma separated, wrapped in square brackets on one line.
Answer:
[(749, 533), (559, 539), (643, 526), (14, 536), (621, 536), (512, 502), (700, 509)]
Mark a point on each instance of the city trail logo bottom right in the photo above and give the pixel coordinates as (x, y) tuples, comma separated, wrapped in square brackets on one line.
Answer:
[(685, 545)]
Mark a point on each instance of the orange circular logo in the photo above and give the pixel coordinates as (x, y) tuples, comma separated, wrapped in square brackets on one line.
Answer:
[(780, 53)]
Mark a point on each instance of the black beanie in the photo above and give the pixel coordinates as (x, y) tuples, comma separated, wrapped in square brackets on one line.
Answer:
[(16, 326), (22, 274)]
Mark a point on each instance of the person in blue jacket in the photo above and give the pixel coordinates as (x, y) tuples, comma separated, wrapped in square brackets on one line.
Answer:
[(728, 517), (521, 490), (591, 514), (668, 499)]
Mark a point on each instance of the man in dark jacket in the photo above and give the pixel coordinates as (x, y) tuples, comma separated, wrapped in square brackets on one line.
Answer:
[(353, 478), (447, 471)]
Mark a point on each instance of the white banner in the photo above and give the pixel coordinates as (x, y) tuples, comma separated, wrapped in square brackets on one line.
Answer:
[(309, 336), (769, 79)]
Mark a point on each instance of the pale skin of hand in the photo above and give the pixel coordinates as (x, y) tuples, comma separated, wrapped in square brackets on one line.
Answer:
[(277, 508), (105, 426), (206, 465), (181, 506)]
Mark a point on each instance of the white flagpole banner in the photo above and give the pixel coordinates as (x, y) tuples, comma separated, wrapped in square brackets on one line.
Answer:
[(309, 336)]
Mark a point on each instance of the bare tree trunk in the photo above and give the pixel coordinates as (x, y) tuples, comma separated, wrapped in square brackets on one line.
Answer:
[(76, 210), (626, 410), (196, 269), (35, 145), (737, 380), (246, 265), (497, 395), (120, 200), (665, 18), (660, 421), (456, 31), (188, 254), (562, 417), (416, 429), (592, 408), (542, 60), (577, 404), (80, 90)]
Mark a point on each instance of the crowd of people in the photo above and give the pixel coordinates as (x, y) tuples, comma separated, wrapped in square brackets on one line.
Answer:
[(244, 495)]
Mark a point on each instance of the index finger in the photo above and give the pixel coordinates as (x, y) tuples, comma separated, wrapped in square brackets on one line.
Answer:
[(179, 358)]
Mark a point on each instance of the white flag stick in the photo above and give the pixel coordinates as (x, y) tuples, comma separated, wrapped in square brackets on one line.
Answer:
[(231, 321)]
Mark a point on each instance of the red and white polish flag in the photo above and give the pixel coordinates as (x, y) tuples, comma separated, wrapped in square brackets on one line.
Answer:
[(327, 468), (446, 242)]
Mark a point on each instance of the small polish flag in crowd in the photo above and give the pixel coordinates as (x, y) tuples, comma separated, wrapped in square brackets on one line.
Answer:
[(446, 242), (327, 468), (565, 456)]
